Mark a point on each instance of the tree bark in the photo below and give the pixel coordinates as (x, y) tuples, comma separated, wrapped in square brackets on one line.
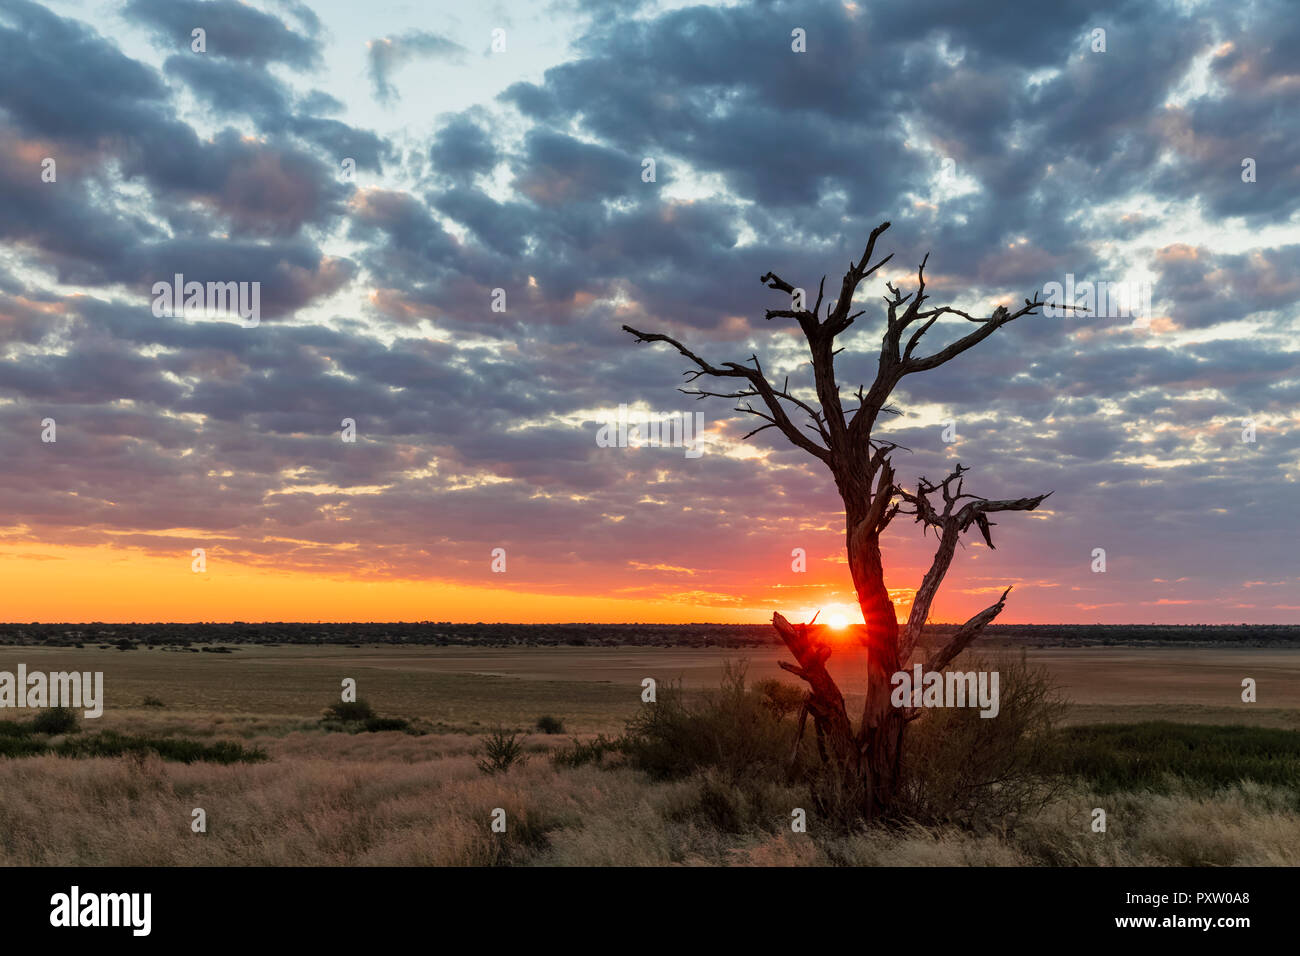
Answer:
[(880, 732), (825, 702)]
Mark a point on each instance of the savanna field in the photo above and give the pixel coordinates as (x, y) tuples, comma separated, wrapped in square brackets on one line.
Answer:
[(1158, 737)]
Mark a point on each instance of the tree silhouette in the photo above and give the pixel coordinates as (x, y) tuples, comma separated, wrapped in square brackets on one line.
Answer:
[(869, 757)]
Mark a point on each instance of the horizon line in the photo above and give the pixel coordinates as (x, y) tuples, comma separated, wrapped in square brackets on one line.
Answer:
[(5, 624)]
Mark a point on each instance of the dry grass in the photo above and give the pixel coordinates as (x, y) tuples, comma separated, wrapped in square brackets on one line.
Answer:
[(396, 799), (391, 799)]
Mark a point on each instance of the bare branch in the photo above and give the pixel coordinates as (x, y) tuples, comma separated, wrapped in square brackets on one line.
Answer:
[(748, 435), (1000, 317), (950, 522), (965, 634), (761, 386), (773, 281), (838, 320)]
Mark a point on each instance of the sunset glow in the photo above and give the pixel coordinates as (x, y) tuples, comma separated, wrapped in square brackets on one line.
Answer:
[(836, 619), (443, 253)]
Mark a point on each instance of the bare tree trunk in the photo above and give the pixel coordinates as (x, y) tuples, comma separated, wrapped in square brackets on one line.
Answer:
[(867, 763), (825, 702), (870, 760), (880, 732)]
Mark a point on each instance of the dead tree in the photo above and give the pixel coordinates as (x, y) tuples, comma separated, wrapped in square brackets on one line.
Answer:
[(870, 756)]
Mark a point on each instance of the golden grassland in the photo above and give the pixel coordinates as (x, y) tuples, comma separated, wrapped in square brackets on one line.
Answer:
[(391, 798)]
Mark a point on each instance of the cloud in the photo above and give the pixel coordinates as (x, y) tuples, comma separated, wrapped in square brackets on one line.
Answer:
[(477, 427), (386, 54), (234, 30)]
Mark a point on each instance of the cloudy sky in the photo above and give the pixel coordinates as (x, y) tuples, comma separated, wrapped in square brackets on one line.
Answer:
[(502, 146)]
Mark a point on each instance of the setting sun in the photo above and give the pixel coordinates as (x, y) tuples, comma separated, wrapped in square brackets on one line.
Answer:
[(837, 618)]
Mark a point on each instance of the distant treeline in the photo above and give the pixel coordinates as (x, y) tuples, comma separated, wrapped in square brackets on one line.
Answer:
[(127, 636)]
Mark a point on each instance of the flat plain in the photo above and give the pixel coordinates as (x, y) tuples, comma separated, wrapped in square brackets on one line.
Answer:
[(595, 689), (396, 798)]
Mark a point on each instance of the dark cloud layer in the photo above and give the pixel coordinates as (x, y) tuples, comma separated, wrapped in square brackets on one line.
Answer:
[(477, 427), (233, 29)]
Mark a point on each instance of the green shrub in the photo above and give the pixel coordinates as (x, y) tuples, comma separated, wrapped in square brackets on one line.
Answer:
[(957, 768), (781, 698), (982, 772), (721, 805), (17, 746), (713, 799), (1119, 757), (733, 729), (112, 744), (579, 753), (57, 720), (377, 724), (348, 711), (15, 728), (550, 725), (501, 751)]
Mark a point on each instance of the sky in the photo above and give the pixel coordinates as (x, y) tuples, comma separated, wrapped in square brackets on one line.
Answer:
[(448, 211)]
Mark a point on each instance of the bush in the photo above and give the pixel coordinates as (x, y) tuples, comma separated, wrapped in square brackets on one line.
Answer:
[(18, 746), (371, 725), (733, 729), (1119, 757), (578, 753), (14, 728), (112, 744), (502, 751), (984, 772), (350, 711), (550, 725), (57, 720), (740, 743), (781, 698), (376, 724), (151, 701)]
